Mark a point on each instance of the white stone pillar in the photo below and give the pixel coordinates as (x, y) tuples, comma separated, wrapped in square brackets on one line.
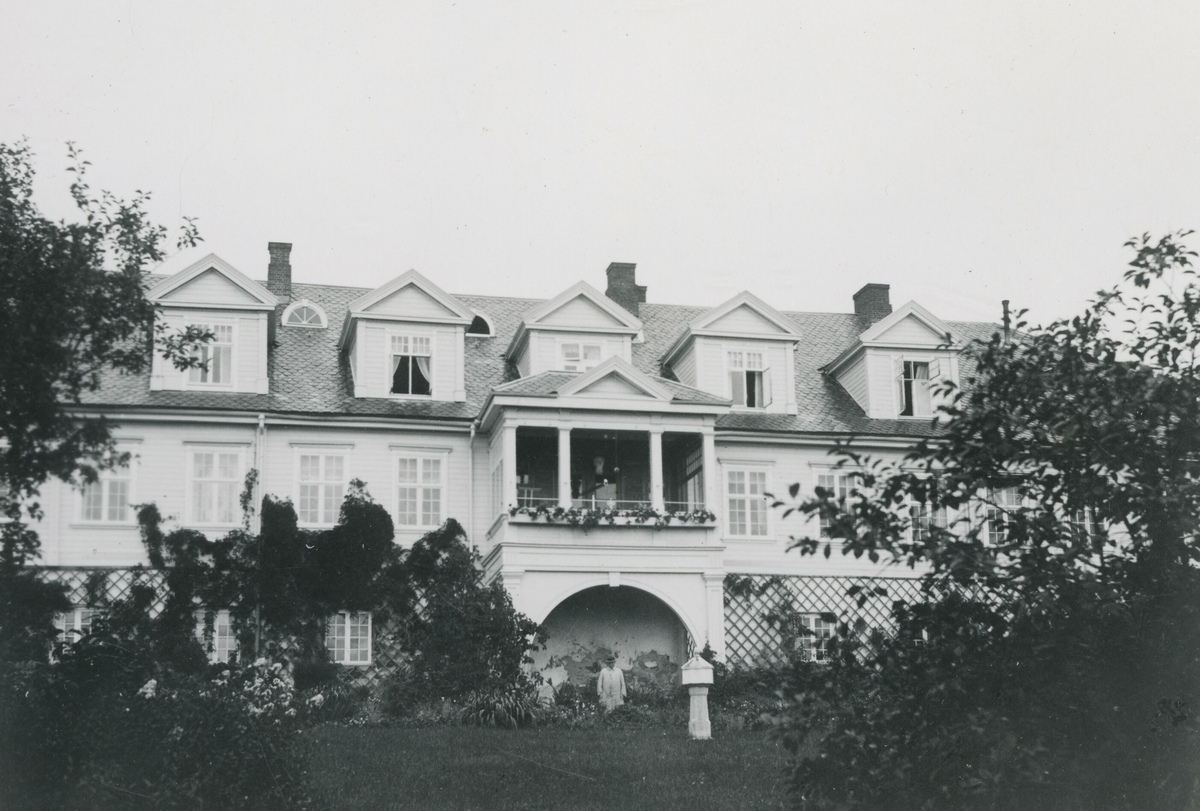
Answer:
[(712, 477), (509, 494), (714, 603), (656, 469), (699, 727), (564, 467)]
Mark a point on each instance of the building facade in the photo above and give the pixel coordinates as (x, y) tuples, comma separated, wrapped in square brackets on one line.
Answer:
[(609, 457)]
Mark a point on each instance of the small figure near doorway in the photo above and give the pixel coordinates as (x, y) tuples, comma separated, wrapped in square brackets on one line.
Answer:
[(610, 686)]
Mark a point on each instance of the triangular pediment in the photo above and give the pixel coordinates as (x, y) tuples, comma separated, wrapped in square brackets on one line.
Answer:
[(580, 313), (745, 314), (583, 307), (615, 378), (411, 297), (211, 282), (910, 325)]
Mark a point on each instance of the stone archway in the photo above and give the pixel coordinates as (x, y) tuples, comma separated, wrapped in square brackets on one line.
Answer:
[(647, 637)]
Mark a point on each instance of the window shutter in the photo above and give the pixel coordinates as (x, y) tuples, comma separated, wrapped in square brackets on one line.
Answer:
[(766, 386), (737, 387), (898, 387)]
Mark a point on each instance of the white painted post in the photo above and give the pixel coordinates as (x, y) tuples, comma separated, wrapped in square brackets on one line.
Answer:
[(564, 467), (656, 470), (509, 496), (698, 675), (712, 482)]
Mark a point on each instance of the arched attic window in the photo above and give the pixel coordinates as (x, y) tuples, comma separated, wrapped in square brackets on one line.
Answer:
[(481, 327), (305, 314)]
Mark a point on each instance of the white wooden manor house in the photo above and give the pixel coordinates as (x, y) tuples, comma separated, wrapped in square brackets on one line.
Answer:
[(486, 409)]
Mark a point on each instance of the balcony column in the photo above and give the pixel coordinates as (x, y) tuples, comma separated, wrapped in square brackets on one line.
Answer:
[(508, 495), (712, 484), (564, 467), (656, 470)]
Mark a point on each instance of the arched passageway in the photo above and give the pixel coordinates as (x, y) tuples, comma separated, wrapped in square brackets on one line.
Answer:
[(648, 639)]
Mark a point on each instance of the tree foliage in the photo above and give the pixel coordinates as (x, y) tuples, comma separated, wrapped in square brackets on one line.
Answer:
[(75, 297), (1056, 661)]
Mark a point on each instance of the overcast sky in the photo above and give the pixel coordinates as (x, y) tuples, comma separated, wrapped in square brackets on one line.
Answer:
[(961, 152)]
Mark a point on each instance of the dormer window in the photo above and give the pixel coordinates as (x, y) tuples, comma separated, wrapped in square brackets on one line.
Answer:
[(480, 327), (580, 357), (216, 357), (748, 383), (305, 314), (411, 359), (913, 382)]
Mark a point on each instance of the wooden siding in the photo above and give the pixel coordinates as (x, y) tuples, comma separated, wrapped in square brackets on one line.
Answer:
[(579, 312), (744, 319), (854, 380), (411, 301), (211, 287), (685, 366)]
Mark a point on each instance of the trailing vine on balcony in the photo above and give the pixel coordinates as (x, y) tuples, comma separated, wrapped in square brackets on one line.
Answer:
[(588, 518)]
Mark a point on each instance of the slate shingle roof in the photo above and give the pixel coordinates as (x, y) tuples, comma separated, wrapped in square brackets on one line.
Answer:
[(309, 376)]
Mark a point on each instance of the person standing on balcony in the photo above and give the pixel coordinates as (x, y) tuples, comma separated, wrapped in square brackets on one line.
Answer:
[(611, 684)]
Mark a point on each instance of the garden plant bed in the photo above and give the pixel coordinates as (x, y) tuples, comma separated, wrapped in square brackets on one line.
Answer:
[(469, 768)]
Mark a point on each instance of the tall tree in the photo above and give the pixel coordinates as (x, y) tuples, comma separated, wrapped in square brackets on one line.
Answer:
[(75, 304), (1056, 661)]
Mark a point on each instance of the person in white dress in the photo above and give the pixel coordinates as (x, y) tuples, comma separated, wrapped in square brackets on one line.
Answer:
[(611, 685)]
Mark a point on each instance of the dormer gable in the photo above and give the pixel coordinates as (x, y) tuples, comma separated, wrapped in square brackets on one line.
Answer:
[(894, 367), (405, 340), (743, 350), (574, 331), (211, 282), (212, 294), (615, 377)]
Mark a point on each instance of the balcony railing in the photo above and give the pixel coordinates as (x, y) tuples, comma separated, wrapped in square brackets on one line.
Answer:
[(682, 506), (597, 503)]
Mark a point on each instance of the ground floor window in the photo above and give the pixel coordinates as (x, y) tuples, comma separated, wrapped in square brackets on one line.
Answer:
[(348, 638), (221, 646), (75, 624), (815, 637)]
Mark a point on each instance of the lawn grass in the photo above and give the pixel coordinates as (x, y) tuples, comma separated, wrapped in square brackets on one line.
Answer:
[(469, 768)]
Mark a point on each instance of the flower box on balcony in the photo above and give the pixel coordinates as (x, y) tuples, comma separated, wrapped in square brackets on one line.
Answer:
[(601, 517)]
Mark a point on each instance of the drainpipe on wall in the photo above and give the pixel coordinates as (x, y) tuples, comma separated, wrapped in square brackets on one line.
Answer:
[(260, 459), (471, 486)]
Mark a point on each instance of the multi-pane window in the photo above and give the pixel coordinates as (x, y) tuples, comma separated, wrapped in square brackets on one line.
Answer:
[(579, 357), (923, 518), (913, 384), (839, 485), (1084, 524), (322, 487), (419, 491), (216, 483), (1001, 500), (747, 513), (813, 641), (305, 315), (215, 357), (222, 645), (411, 359), (75, 624), (748, 383), (107, 498), (348, 638)]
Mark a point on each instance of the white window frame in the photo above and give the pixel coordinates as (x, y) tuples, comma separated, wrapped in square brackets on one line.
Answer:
[(842, 483), (410, 340), (323, 454), (349, 622), (755, 503), (421, 459), (815, 647), (76, 623), (923, 517), (189, 375), (580, 363), (190, 476), (998, 501), (106, 481), (322, 319), (224, 644), (743, 362), (932, 372)]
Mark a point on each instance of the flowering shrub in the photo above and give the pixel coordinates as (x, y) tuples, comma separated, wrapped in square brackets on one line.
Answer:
[(594, 517), (110, 738)]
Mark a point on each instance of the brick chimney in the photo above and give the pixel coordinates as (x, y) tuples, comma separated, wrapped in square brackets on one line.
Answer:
[(623, 287), (279, 270), (873, 301)]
